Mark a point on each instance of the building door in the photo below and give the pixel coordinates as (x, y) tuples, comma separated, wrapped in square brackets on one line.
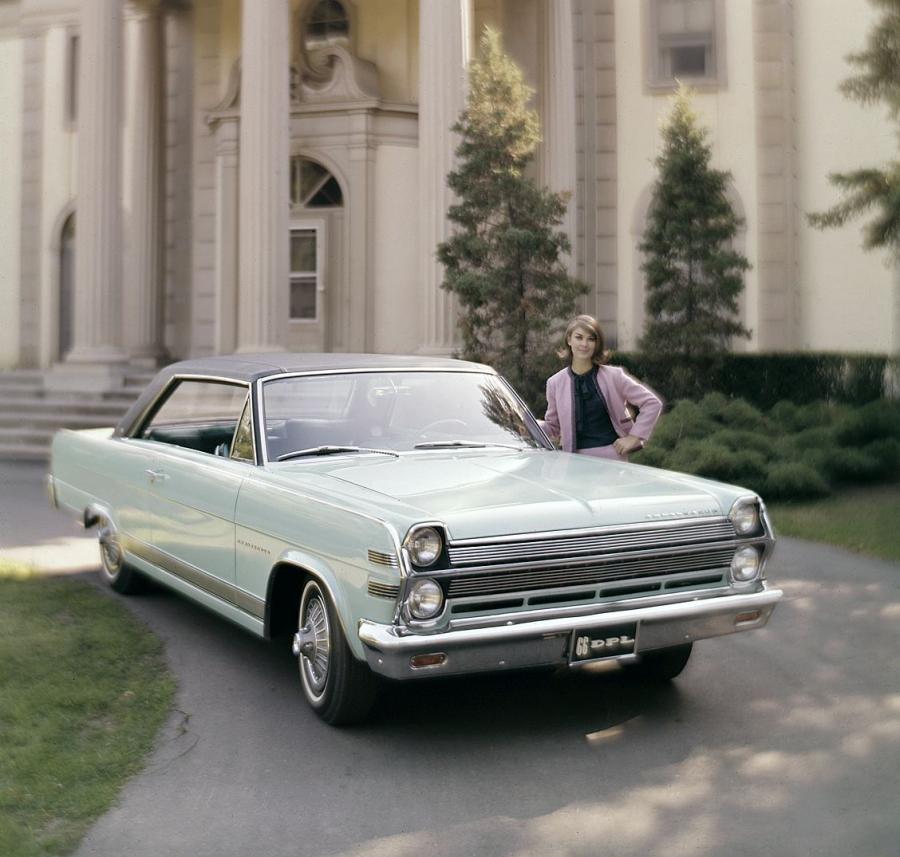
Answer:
[(66, 285), (316, 223)]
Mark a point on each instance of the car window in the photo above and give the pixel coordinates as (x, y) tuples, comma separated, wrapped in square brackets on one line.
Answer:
[(242, 446), (199, 415), (396, 410)]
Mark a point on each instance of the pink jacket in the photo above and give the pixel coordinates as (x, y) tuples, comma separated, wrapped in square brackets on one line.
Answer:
[(618, 389)]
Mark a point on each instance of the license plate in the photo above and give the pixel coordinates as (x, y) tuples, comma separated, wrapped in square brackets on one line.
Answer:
[(611, 641)]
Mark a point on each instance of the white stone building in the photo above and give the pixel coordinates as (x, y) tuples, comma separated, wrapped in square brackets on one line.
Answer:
[(187, 178)]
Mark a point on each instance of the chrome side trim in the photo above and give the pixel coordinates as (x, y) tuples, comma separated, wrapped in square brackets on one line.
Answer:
[(142, 417), (211, 585), (382, 558), (51, 491), (364, 370), (380, 589)]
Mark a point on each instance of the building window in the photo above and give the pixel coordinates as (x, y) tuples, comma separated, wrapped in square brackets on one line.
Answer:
[(72, 51), (316, 198), (305, 274), (312, 186), (685, 42), (326, 23)]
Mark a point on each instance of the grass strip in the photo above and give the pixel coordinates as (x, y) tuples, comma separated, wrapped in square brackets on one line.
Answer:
[(865, 520), (84, 689)]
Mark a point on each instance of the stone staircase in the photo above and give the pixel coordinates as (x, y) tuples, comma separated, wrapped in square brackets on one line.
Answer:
[(30, 415)]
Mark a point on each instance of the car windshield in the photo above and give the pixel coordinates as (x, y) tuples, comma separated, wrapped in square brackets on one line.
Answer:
[(398, 411)]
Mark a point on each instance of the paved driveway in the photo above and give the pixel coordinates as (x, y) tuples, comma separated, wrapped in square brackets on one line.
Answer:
[(783, 742)]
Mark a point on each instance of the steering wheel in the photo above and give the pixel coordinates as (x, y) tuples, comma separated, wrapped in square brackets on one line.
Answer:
[(445, 425)]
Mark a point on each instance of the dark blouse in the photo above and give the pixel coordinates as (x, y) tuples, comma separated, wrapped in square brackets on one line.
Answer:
[(593, 426)]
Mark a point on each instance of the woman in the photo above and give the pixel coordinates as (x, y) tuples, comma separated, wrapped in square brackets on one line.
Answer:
[(587, 402)]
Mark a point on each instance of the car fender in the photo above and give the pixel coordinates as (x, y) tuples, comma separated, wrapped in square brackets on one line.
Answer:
[(94, 511), (316, 567)]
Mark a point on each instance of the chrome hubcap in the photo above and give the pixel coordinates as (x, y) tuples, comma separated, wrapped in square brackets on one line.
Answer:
[(110, 550), (312, 644)]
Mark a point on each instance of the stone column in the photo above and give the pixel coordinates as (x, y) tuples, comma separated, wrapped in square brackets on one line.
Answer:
[(97, 336), (145, 192), (263, 269), (444, 49), (558, 90), (227, 235)]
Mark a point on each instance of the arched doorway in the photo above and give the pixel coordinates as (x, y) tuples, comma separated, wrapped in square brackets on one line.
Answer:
[(317, 203), (66, 285)]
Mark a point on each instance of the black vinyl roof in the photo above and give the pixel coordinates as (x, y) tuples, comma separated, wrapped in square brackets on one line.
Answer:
[(251, 367), (247, 368)]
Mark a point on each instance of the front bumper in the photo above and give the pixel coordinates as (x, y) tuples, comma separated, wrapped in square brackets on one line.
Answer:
[(544, 642)]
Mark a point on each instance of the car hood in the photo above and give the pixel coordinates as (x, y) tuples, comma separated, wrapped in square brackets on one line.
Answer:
[(478, 493)]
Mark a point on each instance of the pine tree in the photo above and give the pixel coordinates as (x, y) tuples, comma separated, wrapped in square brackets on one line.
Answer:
[(503, 259), (870, 188), (693, 274)]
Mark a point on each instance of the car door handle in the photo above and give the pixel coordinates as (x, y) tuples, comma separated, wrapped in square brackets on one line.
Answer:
[(157, 475)]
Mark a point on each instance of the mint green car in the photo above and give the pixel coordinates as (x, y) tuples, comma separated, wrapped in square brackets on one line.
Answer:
[(406, 517)]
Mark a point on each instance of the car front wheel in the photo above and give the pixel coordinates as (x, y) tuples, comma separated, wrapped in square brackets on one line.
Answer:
[(338, 687)]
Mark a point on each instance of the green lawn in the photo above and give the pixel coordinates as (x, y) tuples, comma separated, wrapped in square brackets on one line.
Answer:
[(83, 691), (866, 520)]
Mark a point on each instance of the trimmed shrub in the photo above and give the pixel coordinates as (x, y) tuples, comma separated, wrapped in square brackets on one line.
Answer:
[(686, 420), (715, 461), (652, 456), (886, 452), (741, 414), (785, 413), (793, 480), (854, 465), (714, 405), (873, 421), (741, 440), (817, 437)]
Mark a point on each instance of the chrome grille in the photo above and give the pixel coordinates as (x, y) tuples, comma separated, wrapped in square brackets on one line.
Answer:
[(614, 541), (518, 580)]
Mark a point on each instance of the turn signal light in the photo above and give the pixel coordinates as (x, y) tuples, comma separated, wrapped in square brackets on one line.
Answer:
[(433, 660), (749, 616)]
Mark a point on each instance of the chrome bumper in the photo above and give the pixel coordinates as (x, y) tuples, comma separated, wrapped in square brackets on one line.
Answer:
[(544, 642)]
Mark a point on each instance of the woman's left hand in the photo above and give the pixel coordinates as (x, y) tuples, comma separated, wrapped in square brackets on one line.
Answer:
[(627, 444)]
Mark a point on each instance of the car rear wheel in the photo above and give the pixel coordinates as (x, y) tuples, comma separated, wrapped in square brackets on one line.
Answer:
[(662, 664), (338, 687), (117, 573)]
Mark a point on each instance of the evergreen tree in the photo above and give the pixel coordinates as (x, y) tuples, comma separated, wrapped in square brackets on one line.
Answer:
[(693, 275), (870, 188), (503, 260)]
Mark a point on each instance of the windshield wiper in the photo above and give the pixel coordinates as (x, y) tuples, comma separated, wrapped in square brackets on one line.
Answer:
[(464, 444), (327, 449)]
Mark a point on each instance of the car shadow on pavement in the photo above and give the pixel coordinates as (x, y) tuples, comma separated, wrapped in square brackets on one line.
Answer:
[(590, 699)]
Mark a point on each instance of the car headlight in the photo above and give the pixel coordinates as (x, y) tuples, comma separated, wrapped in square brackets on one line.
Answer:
[(425, 599), (424, 546), (745, 564), (744, 516)]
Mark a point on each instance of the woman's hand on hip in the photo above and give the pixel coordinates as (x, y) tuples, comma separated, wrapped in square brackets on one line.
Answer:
[(627, 444)]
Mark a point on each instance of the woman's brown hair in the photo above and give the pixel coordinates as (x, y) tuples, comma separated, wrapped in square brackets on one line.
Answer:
[(591, 325)]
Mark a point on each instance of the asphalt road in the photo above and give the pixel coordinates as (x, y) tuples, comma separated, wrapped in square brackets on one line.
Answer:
[(784, 741)]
